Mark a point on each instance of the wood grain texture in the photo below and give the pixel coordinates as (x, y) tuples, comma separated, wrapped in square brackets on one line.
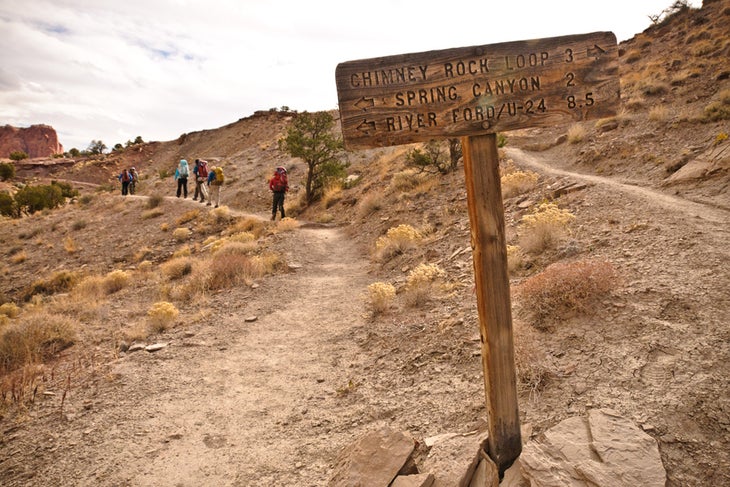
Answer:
[(477, 90), (489, 245)]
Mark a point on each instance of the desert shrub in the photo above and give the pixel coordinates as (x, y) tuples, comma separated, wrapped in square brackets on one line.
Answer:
[(145, 266), (576, 133), (161, 316), (221, 215), (177, 268), (517, 182), (565, 289), (58, 282), (35, 198), (515, 258), (70, 245), (11, 310), (371, 203), (181, 234), (228, 269), (18, 155), (720, 138), (86, 199), (155, 200), (33, 338), (8, 206), (165, 227), (188, 216), (115, 281), (396, 241), (720, 109), (153, 213), (67, 191), (7, 171), (420, 283), (405, 181), (248, 224), (19, 257), (332, 194), (544, 227), (269, 263), (91, 288), (380, 297), (79, 224), (651, 87), (658, 113)]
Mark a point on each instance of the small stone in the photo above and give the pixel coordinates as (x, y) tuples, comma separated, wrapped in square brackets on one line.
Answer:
[(250, 319), (136, 347), (155, 347)]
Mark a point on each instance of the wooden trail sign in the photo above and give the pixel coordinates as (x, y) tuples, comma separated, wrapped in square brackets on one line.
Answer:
[(477, 90), (474, 92)]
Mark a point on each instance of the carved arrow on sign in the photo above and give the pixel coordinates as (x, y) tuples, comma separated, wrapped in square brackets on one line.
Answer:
[(365, 103), (365, 127), (595, 51)]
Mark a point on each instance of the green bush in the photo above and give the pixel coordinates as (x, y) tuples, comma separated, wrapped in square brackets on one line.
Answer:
[(8, 207), (7, 171), (67, 191), (35, 198), (18, 155)]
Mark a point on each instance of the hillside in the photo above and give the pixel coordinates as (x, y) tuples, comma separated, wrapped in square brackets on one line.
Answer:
[(248, 391)]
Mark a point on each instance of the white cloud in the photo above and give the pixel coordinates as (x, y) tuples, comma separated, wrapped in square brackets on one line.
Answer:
[(113, 70)]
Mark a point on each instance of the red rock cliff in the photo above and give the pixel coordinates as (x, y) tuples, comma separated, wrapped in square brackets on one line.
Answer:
[(36, 141)]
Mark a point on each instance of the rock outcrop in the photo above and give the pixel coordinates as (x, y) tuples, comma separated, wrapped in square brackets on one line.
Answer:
[(36, 141)]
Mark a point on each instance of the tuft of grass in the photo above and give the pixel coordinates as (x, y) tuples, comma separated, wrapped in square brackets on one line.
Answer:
[(396, 241), (155, 200), (565, 289), (181, 234), (719, 109), (152, 213), (165, 227), (115, 281), (70, 245), (221, 214), (161, 316), (517, 182), (576, 133), (177, 268), (380, 297), (79, 225), (420, 283), (58, 282), (544, 227), (287, 225), (515, 258), (371, 203), (35, 338), (658, 113), (188, 216), (11, 310), (331, 195), (19, 257)]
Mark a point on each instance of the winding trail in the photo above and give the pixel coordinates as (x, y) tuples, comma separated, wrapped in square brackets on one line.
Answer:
[(672, 203)]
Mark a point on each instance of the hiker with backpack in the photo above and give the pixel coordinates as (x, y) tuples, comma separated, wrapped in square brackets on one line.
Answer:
[(134, 175), (181, 176), (279, 185), (125, 177), (215, 181), (201, 176)]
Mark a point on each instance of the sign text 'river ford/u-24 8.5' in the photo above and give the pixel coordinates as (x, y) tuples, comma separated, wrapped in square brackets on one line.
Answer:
[(477, 90)]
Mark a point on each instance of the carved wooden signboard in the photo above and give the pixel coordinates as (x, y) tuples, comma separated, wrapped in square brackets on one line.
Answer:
[(477, 90), (474, 92)]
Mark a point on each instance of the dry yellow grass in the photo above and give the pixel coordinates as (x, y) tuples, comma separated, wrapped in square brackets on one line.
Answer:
[(421, 283), (544, 227), (181, 234), (161, 316), (396, 241), (188, 216), (115, 281), (518, 182), (576, 133), (177, 267)]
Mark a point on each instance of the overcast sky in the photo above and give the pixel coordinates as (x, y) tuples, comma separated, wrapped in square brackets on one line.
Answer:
[(111, 70)]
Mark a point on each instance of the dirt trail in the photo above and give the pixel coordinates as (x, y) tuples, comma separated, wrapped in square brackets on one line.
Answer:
[(235, 402), (690, 208)]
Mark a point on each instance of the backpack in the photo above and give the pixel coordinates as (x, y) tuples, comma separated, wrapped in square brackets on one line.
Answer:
[(280, 182), (203, 169), (219, 177), (125, 176), (183, 170)]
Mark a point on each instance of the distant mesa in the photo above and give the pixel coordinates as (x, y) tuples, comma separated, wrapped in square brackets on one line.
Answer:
[(36, 141)]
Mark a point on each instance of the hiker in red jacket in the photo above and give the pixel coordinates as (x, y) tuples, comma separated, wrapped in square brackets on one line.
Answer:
[(279, 185)]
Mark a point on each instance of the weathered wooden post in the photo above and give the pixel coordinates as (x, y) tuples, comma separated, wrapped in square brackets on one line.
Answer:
[(473, 93)]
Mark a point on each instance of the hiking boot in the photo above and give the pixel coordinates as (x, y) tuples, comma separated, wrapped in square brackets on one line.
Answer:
[(195, 199), (216, 206), (273, 217), (208, 204)]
